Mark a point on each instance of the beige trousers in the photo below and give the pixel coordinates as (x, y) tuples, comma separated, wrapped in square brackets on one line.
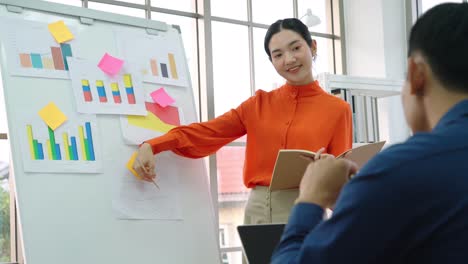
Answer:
[(265, 207)]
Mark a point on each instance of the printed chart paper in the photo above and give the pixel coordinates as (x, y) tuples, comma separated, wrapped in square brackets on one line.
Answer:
[(137, 199), (99, 93), (160, 59), (71, 148), (31, 50)]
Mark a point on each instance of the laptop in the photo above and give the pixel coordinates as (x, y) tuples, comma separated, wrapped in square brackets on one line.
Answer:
[(259, 241)]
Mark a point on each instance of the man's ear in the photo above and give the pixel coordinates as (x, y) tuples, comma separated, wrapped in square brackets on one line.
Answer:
[(417, 74)]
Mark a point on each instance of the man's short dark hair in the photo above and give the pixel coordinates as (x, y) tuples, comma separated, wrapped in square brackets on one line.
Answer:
[(441, 35)]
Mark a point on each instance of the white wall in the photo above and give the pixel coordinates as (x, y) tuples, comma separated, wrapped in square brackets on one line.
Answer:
[(376, 47)]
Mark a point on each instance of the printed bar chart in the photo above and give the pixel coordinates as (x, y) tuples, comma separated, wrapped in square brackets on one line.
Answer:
[(69, 145), (129, 88), (56, 60), (164, 69), (35, 148)]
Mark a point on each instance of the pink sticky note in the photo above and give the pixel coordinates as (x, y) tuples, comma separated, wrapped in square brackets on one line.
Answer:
[(161, 97), (110, 65)]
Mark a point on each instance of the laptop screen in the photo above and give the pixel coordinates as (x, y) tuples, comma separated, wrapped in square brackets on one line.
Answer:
[(259, 241)]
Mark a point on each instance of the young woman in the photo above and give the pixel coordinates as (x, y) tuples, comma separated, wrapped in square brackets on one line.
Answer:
[(297, 115)]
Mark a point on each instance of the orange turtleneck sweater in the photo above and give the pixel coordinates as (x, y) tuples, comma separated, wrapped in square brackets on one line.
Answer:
[(290, 117)]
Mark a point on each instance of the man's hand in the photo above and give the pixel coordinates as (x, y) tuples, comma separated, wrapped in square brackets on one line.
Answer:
[(323, 180)]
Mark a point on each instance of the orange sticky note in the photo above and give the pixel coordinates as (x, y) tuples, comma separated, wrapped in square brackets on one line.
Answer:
[(60, 31), (52, 116), (130, 165)]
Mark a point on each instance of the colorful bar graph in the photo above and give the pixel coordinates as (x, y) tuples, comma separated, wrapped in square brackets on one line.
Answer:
[(25, 60), (57, 58), (116, 93), (35, 147), (101, 91), (66, 52), (154, 67), (172, 66), (36, 60), (164, 70), (70, 150), (129, 88), (88, 97)]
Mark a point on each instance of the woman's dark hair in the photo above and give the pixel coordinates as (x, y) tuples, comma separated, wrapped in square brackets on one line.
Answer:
[(441, 36), (293, 24)]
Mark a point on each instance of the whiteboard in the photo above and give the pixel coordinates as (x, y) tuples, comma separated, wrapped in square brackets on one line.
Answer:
[(67, 207)]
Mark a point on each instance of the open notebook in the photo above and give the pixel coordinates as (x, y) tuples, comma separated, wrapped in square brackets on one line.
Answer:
[(290, 165)]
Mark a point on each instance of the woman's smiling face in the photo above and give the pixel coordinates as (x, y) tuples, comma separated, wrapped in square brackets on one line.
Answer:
[(291, 57)]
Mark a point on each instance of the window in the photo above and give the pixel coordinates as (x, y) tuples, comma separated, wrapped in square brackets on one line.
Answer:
[(229, 9), (428, 4), (67, 2), (267, 12), (181, 5), (231, 66), (117, 9), (222, 242), (5, 216)]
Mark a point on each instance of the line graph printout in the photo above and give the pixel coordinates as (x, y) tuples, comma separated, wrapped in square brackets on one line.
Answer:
[(137, 199), (99, 93), (160, 59), (32, 51)]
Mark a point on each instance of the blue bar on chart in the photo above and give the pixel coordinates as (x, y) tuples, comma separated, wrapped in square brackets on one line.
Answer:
[(73, 149), (101, 91), (89, 137), (36, 61), (66, 52)]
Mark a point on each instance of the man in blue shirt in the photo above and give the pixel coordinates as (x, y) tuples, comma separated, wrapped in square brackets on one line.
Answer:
[(410, 203)]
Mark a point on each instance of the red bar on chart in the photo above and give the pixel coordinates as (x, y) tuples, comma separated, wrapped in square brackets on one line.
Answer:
[(57, 58)]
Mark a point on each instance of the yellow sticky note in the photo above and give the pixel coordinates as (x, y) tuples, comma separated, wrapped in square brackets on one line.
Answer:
[(130, 165), (52, 116), (60, 31)]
